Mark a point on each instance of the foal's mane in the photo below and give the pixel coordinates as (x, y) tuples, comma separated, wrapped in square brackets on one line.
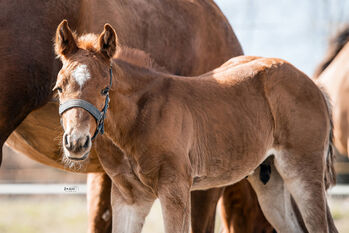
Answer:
[(138, 58), (133, 56), (335, 46)]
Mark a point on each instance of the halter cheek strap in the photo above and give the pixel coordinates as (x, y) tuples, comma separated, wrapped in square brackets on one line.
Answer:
[(98, 115)]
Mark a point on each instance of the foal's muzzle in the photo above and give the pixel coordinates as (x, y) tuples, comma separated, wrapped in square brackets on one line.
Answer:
[(78, 148)]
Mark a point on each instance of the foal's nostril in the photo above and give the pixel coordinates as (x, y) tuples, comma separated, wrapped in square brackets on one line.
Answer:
[(87, 142), (76, 145), (66, 139), (66, 142)]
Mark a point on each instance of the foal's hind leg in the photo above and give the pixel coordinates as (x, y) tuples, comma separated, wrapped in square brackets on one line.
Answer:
[(331, 227), (303, 175), (275, 201)]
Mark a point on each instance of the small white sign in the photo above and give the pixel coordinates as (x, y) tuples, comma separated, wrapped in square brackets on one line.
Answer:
[(71, 189)]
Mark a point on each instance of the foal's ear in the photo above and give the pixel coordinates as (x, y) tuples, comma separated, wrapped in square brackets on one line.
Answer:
[(65, 44), (107, 41)]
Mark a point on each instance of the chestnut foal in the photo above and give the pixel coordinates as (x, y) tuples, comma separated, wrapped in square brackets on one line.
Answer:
[(181, 134)]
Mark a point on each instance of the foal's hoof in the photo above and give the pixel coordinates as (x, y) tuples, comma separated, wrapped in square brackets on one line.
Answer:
[(264, 174)]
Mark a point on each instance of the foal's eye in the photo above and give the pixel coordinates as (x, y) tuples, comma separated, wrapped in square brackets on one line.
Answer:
[(105, 91), (58, 89)]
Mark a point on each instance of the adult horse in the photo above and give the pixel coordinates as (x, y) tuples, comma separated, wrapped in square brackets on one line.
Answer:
[(333, 72), (28, 70), (180, 134)]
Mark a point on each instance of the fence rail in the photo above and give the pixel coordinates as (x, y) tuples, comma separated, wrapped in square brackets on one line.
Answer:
[(80, 189), (42, 189)]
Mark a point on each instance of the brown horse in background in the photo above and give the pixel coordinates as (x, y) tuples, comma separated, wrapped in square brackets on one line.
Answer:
[(333, 73), (28, 67), (180, 134)]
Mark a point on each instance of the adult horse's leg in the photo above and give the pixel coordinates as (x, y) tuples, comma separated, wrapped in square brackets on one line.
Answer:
[(275, 201), (241, 212), (203, 210), (98, 200)]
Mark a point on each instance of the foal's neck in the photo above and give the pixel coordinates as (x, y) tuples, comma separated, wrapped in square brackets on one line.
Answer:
[(132, 79), (130, 85)]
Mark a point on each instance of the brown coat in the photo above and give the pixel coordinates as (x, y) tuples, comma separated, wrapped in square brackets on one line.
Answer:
[(180, 134), (335, 79), (28, 66), (181, 48)]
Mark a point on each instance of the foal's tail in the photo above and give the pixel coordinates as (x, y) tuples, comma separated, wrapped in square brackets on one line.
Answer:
[(330, 173)]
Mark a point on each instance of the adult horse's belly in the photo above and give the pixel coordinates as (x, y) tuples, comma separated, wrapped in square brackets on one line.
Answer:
[(39, 136)]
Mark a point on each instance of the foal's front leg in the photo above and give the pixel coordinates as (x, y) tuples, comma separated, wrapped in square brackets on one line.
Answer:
[(129, 217), (174, 195)]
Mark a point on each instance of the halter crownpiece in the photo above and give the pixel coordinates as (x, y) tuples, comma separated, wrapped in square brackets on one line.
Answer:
[(98, 115)]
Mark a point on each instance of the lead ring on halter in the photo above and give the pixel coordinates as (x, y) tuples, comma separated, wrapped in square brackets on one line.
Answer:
[(98, 115)]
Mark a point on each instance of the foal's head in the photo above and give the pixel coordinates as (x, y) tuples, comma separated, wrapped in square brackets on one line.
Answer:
[(84, 76)]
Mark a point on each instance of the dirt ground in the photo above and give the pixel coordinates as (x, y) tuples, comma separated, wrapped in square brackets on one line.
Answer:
[(68, 213)]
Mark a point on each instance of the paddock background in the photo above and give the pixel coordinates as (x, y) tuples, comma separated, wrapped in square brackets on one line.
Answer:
[(295, 30)]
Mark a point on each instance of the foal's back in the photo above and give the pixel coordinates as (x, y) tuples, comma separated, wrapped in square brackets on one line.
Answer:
[(244, 108), (252, 85)]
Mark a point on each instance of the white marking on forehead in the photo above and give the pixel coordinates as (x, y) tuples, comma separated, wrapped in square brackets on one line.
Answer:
[(81, 74)]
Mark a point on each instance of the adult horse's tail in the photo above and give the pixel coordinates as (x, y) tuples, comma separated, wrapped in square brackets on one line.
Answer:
[(330, 173)]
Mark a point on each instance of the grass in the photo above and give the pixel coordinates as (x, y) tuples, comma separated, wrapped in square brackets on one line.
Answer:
[(340, 212), (68, 213), (42, 214), (56, 214)]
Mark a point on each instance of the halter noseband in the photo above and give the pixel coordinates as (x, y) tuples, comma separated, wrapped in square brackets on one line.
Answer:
[(98, 115)]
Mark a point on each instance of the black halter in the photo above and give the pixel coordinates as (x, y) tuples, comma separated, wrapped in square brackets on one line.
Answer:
[(98, 115)]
